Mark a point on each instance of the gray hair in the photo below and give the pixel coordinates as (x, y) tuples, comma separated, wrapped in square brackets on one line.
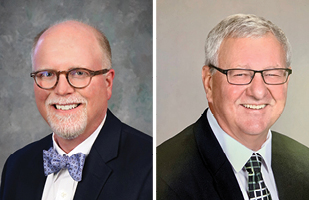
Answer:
[(102, 40), (242, 26)]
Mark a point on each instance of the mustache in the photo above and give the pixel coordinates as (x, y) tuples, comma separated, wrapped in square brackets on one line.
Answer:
[(66, 100)]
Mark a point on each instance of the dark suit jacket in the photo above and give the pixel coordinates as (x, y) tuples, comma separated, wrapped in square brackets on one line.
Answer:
[(119, 166), (192, 165)]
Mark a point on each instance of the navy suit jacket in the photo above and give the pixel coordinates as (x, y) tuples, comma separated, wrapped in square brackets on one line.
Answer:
[(192, 165), (119, 166)]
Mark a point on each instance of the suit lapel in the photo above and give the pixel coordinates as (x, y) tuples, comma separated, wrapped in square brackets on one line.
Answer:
[(216, 161), (95, 175), (96, 171)]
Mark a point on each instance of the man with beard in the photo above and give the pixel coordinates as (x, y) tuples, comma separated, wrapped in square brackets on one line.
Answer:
[(91, 154), (230, 152)]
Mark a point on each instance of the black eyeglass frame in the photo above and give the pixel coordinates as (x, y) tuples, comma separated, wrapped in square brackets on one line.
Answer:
[(225, 71), (66, 73)]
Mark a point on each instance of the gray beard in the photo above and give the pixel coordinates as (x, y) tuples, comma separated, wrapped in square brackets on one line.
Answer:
[(68, 127)]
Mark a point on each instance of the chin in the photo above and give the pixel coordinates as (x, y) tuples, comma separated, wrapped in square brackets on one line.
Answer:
[(256, 130), (68, 134), (68, 127)]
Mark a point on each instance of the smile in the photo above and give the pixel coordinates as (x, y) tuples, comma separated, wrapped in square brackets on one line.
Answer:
[(66, 107), (255, 107)]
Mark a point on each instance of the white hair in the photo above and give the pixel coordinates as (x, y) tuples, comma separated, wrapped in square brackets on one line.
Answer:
[(242, 26)]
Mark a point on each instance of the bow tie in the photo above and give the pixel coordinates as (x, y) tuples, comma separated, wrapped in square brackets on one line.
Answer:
[(53, 163)]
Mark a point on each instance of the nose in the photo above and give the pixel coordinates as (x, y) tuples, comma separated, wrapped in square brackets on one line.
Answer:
[(63, 87), (257, 88)]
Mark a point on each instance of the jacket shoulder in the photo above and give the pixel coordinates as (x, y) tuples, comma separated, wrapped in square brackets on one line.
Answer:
[(136, 135), (32, 149), (178, 164), (290, 166), (134, 143), (23, 169), (286, 147), (181, 152), (177, 149), (128, 153)]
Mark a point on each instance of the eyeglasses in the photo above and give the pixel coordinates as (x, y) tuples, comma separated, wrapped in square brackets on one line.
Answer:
[(276, 76), (77, 77)]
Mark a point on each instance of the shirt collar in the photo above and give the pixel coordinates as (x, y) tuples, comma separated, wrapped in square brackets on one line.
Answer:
[(237, 153), (83, 147)]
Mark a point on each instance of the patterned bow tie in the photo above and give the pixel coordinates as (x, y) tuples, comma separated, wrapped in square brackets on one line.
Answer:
[(53, 163)]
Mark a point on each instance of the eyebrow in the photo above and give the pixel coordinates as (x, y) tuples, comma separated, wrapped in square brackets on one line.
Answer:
[(49, 69), (247, 67)]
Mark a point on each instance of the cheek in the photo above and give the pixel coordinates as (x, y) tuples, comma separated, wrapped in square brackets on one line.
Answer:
[(278, 92), (40, 98), (279, 95), (226, 93), (226, 101), (96, 96), (95, 91)]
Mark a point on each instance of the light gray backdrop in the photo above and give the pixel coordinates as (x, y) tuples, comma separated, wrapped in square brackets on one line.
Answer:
[(182, 27), (127, 25)]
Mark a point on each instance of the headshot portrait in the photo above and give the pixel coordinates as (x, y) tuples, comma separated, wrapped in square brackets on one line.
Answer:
[(182, 29), (76, 100), (235, 67)]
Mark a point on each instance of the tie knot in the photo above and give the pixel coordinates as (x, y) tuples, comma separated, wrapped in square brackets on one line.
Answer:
[(254, 163)]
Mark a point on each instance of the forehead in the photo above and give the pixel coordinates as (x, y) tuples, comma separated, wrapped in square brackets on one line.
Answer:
[(67, 44), (252, 51)]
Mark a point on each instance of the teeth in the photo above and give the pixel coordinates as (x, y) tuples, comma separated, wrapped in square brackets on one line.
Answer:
[(66, 107), (256, 107)]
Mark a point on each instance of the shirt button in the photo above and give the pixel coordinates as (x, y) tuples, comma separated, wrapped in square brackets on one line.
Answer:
[(63, 194)]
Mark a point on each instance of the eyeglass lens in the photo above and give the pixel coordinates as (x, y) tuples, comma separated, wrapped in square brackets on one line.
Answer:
[(272, 76), (76, 77)]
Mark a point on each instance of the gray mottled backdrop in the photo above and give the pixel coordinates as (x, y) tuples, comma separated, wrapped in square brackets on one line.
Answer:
[(128, 26)]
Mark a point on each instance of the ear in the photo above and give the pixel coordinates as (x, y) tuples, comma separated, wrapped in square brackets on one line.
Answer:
[(109, 82), (207, 82), (289, 76)]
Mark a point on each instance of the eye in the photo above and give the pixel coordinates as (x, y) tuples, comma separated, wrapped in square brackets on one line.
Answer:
[(240, 73), (271, 74), (79, 73), (275, 73), (45, 74)]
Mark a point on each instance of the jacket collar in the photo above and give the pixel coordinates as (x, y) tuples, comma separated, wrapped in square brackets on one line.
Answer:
[(216, 161), (96, 171)]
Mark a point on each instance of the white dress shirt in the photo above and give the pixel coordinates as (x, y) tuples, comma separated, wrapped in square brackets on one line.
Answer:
[(62, 186), (238, 155)]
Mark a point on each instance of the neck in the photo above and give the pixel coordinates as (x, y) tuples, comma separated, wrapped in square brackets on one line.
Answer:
[(67, 145), (253, 142)]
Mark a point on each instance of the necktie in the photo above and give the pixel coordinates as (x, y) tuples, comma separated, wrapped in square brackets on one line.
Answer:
[(256, 186), (53, 163)]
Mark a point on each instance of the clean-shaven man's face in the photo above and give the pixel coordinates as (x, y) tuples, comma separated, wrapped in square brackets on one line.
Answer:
[(243, 111)]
